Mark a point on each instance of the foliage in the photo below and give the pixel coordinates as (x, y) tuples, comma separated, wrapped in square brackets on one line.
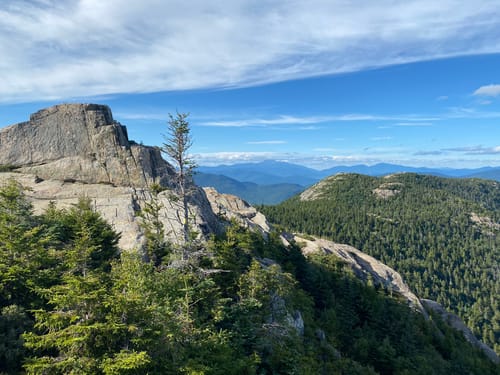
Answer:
[(101, 312), (176, 147), (156, 247), (7, 168), (425, 231)]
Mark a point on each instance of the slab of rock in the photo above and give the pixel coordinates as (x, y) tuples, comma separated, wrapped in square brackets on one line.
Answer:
[(81, 142), (119, 206), (363, 265), (231, 207)]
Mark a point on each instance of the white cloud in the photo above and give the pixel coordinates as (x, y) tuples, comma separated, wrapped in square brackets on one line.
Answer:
[(323, 149), (217, 158), (488, 90), (52, 49), (428, 153), (369, 157)]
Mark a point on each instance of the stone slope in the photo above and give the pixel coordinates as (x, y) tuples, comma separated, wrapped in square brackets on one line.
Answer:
[(81, 142), (70, 151), (363, 265), (232, 207), (119, 205)]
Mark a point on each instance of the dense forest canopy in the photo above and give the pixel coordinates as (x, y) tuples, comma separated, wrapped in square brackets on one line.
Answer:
[(442, 235), (71, 302)]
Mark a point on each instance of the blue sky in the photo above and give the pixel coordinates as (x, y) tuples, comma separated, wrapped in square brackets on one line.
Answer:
[(318, 83)]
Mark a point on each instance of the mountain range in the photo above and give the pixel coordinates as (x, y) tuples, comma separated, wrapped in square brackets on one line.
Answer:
[(97, 276), (270, 181)]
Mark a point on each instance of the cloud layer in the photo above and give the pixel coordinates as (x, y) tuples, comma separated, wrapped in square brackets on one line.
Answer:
[(488, 90), (52, 49)]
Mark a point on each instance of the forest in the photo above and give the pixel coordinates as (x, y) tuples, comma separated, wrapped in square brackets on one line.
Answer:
[(441, 234), (72, 302)]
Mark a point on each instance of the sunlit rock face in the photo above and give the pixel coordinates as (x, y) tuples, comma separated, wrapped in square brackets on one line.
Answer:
[(81, 142), (70, 151)]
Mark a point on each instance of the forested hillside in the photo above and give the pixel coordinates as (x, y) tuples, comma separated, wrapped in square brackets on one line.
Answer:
[(70, 302), (441, 234)]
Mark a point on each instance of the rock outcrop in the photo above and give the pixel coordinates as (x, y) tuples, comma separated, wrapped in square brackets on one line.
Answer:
[(70, 151), (119, 205), (363, 265), (231, 207), (81, 142), (455, 322)]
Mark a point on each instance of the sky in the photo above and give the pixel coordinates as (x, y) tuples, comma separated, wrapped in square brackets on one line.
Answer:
[(318, 83)]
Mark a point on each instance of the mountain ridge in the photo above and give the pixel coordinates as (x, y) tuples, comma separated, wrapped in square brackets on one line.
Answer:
[(119, 193), (433, 230), (271, 182), (294, 172)]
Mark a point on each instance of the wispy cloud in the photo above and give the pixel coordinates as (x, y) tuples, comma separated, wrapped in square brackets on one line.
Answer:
[(414, 124), (323, 149), (266, 142), (475, 150), (379, 139), (442, 98), (428, 153), (216, 158), (52, 49), (334, 157), (469, 113), (141, 116), (281, 120), (488, 90), (408, 120)]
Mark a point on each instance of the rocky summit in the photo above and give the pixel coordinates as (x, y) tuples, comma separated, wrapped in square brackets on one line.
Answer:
[(81, 142), (70, 151)]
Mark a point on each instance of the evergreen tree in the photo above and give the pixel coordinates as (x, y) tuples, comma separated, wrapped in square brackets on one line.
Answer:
[(178, 141), (155, 247)]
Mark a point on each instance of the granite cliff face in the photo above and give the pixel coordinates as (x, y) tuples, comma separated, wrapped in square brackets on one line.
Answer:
[(119, 205), (81, 142), (77, 150)]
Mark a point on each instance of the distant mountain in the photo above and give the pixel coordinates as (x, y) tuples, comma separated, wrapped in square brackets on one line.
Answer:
[(271, 182), (383, 169), (491, 174), (249, 191), (273, 172), (268, 172)]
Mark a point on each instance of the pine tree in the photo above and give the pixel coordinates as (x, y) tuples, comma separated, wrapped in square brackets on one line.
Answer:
[(176, 147)]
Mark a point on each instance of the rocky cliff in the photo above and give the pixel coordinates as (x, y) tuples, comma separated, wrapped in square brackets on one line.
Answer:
[(81, 142), (120, 205), (70, 151)]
